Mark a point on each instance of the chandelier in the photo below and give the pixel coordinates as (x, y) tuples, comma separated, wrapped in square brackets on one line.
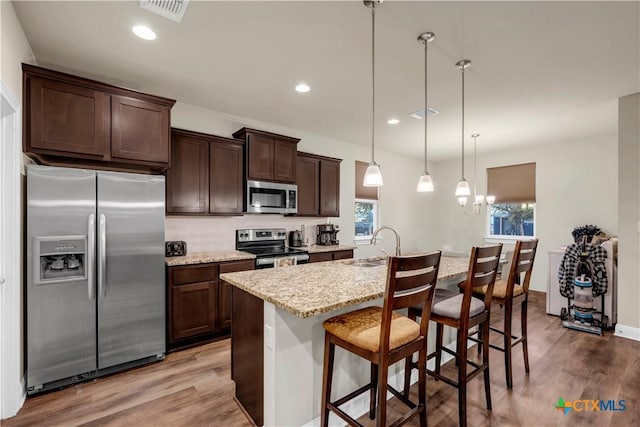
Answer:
[(478, 199)]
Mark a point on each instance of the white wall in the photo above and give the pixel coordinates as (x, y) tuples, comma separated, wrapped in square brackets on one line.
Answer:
[(15, 49), (576, 184), (400, 205), (629, 214)]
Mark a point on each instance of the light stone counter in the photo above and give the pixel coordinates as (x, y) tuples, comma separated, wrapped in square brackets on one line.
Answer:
[(310, 289), (204, 257), (314, 249)]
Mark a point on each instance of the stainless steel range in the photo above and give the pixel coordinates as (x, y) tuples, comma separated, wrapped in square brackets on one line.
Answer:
[(268, 244)]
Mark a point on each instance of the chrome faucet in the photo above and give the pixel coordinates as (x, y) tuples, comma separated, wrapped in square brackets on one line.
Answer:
[(386, 227)]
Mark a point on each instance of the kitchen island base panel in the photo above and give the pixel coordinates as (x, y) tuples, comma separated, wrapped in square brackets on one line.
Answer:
[(247, 353)]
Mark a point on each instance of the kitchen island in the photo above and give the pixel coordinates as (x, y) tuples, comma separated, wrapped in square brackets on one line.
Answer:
[(277, 343)]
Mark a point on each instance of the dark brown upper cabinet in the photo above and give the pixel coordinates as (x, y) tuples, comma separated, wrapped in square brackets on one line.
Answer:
[(139, 130), (269, 156), (73, 121), (225, 177), (330, 187), (188, 175), (205, 176), (318, 182), (308, 180)]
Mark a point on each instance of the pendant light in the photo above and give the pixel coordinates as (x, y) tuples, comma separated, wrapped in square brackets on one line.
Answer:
[(462, 189), (373, 175), (425, 183)]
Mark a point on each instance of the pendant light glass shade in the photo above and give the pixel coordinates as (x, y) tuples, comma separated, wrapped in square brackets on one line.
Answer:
[(491, 199), (425, 183), (373, 176), (463, 189)]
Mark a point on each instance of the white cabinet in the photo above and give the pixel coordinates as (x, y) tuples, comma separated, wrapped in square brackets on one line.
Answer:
[(555, 301)]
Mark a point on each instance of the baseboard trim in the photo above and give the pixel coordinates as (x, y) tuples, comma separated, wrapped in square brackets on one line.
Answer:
[(628, 332), (360, 405)]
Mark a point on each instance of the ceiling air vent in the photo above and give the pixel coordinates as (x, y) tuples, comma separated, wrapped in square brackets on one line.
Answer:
[(172, 9), (420, 113)]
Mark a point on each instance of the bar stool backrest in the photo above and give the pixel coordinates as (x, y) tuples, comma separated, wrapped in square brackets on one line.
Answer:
[(524, 254), (483, 267), (411, 281)]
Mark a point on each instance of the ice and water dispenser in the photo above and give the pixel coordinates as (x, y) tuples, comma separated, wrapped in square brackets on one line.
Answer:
[(62, 259)]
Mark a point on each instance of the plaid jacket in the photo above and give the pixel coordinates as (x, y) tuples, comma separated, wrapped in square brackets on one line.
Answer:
[(596, 260)]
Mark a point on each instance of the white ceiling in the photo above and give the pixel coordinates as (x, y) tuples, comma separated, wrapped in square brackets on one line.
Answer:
[(542, 71)]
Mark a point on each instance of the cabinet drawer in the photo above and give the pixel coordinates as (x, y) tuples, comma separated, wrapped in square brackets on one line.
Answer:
[(194, 274), (232, 267), (321, 256), (343, 254)]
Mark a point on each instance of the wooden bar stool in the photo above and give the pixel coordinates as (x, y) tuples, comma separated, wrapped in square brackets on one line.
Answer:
[(463, 311), (384, 338), (510, 292)]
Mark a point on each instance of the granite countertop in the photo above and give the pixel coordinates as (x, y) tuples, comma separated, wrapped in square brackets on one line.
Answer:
[(307, 290), (211, 256), (314, 249)]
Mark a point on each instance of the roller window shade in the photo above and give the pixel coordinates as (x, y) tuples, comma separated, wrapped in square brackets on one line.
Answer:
[(513, 184), (362, 192)]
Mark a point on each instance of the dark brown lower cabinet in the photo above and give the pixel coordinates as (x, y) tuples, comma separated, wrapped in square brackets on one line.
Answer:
[(194, 309), (198, 303), (330, 256)]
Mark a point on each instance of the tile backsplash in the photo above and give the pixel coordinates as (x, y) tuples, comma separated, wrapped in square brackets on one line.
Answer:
[(218, 233)]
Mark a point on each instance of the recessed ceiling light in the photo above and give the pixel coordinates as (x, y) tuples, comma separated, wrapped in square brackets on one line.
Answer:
[(393, 121), (144, 32), (303, 88)]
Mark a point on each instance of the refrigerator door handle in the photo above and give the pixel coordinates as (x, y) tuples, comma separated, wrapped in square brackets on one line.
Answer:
[(102, 256), (91, 256)]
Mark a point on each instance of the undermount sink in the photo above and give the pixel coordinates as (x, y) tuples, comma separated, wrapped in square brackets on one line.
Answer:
[(367, 262)]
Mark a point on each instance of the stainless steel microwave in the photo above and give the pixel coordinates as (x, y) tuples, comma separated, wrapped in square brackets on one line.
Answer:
[(271, 197)]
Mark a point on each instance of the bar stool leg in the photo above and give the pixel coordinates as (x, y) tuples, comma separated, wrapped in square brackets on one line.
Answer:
[(485, 362), (461, 357), (408, 362), (329, 352), (508, 313), (422, 385), (373, 391), (523, 323), (383, 372), (439, 330)]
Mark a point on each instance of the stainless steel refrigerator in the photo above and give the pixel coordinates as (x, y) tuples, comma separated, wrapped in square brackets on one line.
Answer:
[(95, 293)]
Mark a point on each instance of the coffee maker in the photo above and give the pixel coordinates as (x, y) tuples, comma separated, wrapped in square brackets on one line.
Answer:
[(327, 234)]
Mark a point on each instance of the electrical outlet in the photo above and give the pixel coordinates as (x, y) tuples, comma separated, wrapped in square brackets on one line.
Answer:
[(268, 337)]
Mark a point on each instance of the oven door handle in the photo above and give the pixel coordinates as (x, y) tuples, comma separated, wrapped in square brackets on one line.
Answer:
[(265, 261)]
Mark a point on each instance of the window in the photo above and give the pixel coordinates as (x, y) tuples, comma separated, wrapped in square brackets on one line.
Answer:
[(366, 218), (512, 219), (366, 206), (514, 211)]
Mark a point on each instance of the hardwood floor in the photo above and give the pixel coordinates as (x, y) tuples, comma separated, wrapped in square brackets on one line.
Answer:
[(193, 387)]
